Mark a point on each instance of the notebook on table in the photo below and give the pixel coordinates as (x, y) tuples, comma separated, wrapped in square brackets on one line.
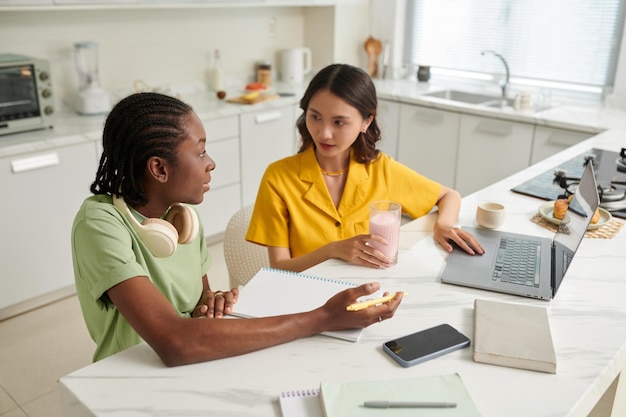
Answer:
[(346, 398), (300, 403), (275, 292), (539, 267), (513, 335)]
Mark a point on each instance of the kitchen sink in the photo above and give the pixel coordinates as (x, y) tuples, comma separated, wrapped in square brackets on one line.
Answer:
[(499, 103), (462, 96), (486, 100)]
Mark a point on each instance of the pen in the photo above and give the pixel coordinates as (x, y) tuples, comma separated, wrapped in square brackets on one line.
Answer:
[(407, 404), (368, 303)]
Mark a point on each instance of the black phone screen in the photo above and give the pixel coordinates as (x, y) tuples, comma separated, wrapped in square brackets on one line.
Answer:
[(426, 344)]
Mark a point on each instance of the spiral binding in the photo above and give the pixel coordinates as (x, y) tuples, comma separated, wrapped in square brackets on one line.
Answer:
[(300, 393), (300, 274)]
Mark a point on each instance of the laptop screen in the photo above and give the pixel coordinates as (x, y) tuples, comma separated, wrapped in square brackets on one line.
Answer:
[(574, 225)]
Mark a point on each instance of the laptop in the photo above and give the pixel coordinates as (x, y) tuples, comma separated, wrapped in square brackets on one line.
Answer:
[(524, 265)]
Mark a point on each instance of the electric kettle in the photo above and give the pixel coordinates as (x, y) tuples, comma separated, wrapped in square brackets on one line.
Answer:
[(295, 64)]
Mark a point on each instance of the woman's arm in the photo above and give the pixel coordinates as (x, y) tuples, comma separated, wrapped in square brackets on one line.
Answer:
[(180, 341), (449, 205), (355, 250)]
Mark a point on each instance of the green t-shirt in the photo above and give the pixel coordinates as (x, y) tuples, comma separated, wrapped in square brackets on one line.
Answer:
[(106, 250)]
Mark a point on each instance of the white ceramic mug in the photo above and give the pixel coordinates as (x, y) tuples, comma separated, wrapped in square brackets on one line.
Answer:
[(524, 101), (490, 215)]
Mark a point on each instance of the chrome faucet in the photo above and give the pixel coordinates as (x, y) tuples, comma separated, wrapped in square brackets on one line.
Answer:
[(506, 67)]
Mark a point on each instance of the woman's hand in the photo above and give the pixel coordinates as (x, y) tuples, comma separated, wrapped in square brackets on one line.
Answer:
[(216, 304), (358, 250), (339, 318), (447, 235)]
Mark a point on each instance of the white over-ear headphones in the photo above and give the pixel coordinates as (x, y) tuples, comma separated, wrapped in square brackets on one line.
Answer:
[(162, 236)]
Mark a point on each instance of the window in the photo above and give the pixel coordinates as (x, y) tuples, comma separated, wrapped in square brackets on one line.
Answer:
[(572, 42)]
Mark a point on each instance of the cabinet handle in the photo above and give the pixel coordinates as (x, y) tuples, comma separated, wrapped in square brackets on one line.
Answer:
[(431, 118), (268, 117), (563, 139), (34, 162), (495, 128)]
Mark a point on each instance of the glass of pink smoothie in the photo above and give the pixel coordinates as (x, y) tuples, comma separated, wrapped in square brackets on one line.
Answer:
[(385, 222)]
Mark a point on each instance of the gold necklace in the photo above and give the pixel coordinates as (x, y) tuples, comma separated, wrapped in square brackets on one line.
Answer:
[(333, 173)]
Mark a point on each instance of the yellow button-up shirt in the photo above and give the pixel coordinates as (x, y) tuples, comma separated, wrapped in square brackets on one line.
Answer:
[(294, 209)]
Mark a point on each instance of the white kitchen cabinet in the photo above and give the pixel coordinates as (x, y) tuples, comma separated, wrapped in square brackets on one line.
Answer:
[(224, 198), (548, 141), (490, 150), (26, 3), (113, 4), (267, 135), (218, 207), (427, 142), (297, 111), (42, 191), (92, 2), (388, 119)]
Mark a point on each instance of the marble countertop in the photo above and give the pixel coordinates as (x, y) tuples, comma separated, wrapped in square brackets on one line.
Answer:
[(71, 128), (585, 118), (587, 319)]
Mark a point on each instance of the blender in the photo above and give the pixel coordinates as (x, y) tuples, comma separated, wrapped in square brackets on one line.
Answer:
[(90, 98)]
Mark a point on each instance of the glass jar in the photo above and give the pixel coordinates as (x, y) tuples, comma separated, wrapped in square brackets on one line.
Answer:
[(264, 74)]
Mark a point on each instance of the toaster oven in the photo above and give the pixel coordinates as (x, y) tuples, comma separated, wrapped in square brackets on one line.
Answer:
[(26, 96)]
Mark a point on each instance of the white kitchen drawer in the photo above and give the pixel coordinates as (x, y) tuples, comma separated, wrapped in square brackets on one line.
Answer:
[(548, 141), (490, 150), (42, 192), (225, 153), (218, 207), (427, 142), (221, 128), (266, 136), (388, 119)]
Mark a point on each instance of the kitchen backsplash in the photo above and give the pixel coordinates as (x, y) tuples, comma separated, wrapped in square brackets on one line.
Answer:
[(157, 46)]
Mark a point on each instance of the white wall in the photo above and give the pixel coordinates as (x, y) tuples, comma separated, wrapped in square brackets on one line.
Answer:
[(352, 27), (388, 26), (159, 46), (337, 34)]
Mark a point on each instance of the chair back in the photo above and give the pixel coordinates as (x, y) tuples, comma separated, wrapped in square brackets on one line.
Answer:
[(243, 258)]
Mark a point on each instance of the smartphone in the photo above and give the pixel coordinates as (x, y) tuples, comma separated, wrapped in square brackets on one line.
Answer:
[(425, 345)]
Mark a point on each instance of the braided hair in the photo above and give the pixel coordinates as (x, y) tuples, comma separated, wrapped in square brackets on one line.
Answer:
[(139, 127), (354, 86)]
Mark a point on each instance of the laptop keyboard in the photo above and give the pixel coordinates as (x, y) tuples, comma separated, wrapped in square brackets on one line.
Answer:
[(517, 262), (567, 258)]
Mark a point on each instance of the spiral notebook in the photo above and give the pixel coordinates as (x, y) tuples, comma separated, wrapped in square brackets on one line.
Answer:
[(300, 403), (345, 398), (274, 292)]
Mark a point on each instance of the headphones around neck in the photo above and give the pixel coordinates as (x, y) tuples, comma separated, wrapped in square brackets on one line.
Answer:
[(161, 236)]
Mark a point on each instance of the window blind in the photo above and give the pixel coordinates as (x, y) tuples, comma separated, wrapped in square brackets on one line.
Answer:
[(565, 41)]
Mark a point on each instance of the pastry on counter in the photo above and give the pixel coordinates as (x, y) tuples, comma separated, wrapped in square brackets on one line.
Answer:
[(596, 217), (560, 208)]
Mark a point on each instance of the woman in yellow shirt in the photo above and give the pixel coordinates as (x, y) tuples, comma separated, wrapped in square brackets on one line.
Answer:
[(314, 205)]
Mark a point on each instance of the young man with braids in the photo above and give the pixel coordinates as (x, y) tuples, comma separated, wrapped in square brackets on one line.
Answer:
[(140, 260)]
